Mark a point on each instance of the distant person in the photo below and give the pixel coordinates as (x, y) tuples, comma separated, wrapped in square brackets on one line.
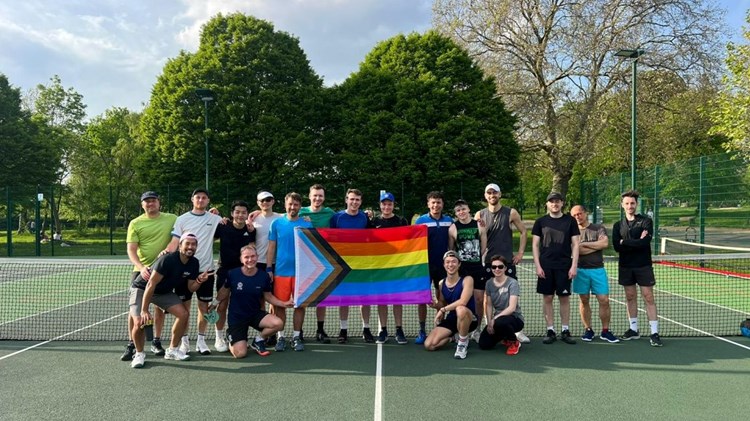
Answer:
[(555, 239), (632, 239), (592, 277), (246, 288), (388, 219), (501, 301), (148, 235), (456, 309)]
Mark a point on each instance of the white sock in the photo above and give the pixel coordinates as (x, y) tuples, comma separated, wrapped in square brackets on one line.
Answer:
[(344, 324), (295, 334), (654, 326), (258, 338), (219, 334), (565, 327), (552, 328), (463, 338), (280, 334), (634, 324), (365, 325)]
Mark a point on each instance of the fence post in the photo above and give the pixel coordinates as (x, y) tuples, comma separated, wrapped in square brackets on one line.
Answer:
[(52, 218), (37, 224), (111, 223), (9, 222), (657, 220), (702, 202)]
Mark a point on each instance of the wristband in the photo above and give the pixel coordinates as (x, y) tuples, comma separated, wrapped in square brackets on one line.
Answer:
[(270, 268), (214, 303)]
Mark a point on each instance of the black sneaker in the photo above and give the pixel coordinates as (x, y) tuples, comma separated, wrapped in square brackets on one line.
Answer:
[(400, 337), (156, 348), (656, 340), (382, 337), (367, 335), (322, 337), (630, 334), (550, 338), (271, 341), (565, 337), (129, 352), (301, 335), (343, 336)]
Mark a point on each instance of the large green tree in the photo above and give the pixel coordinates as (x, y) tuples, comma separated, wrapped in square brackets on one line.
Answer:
[(554, 59), (419, 115), (263, 114)]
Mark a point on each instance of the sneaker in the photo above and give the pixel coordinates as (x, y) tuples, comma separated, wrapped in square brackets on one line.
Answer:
[(176, 354), (461, 350), (322, 337), (630, 334), (505, 342), (609, 337), (297, 344), (400, 337), (220, 345), (656, 340), (382, 337), (588, 335), (565, 337), (129, 352), (156, 348), (475, 335), (367, 335), (523, 338), (280, 344), (550, 338), (185, 345), (138, 360), (201, 346), (513, 347), (421, 337), (271, 341), (343, 336), (260, 348)]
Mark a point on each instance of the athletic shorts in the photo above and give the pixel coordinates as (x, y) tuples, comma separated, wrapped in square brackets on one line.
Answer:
[(437, 273), (163, 301), (205, 291), (643, 276), (451, 323), (555, 282), (261, 266), (221, 276), (591, 280), (283, 287), (237, 332), (477, 273)]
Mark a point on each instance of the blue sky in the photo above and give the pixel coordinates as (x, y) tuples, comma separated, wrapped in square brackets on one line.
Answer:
[(111, 51)]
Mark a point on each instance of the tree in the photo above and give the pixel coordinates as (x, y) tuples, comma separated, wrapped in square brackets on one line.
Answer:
[(554, 59), (419, 112), (263, 115)]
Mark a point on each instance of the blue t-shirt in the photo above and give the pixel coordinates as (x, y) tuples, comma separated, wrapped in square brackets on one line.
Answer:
[(246, 291), (437, 237), (282, 232), (451, 295), (343, 220)]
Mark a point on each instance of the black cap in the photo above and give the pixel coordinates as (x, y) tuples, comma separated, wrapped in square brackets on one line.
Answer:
[(555, 196), (200, 190), (149, 195)]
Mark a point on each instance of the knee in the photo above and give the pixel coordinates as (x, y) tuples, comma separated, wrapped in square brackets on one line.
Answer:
[(239, 354)]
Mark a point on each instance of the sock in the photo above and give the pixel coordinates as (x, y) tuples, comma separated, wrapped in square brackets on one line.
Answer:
[(421, 326), (654, 326), (634, 324), (258, 338), (384, 328), (320, 326), (131, 343), (344, 324), (463, 338), (295, 334), (397, 328), (157, 339), (551, 327), (219, 333), (605, 330), (365, 325), (280, 334), (565, 327), (185, 339)]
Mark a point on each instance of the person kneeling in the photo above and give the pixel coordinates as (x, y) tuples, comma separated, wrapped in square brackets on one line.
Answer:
[(501, 303)]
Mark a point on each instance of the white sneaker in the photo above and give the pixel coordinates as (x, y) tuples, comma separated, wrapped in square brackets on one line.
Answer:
[(220, 345), (461, 350), (185, 345), (176, 354), (201, 346), (475, 335), (523, 338), (138, 360)]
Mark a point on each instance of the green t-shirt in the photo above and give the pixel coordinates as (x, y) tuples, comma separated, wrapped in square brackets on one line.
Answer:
[(151, 234), (319, 219)]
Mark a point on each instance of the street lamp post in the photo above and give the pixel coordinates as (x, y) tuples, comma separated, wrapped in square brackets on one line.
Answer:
[(206, 95), (633, 55)]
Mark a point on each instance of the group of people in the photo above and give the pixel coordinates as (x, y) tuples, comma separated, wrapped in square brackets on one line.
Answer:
[(472, 267)]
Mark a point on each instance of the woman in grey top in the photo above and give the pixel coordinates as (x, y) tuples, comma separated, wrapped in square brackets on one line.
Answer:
[(502, 309)]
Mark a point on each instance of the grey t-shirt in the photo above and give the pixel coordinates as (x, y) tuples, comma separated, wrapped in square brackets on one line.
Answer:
[(596, 259), (500, 297)]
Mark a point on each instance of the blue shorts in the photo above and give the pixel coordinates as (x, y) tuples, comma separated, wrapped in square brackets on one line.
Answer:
[(591, 280)]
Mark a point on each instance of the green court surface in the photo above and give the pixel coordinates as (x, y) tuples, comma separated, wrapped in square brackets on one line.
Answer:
[(688, 378)]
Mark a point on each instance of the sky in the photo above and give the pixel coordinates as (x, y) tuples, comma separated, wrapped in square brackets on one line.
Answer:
[(112, 51)]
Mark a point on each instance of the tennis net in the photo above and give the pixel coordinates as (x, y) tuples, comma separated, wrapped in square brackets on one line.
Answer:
[(44, 299)]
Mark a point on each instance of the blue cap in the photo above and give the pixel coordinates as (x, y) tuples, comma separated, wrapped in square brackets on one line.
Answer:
[(387, 196)]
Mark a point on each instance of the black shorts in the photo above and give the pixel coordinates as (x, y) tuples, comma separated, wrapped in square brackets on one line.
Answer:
[(643, 276), (205, 291), (556, 281), (261, 266), (221, 276), (477, 273), (451, 323), (238, 332), (437, 274)]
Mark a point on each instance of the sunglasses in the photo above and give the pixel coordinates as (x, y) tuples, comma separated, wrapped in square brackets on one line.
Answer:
[(267, 199), (496, 267)]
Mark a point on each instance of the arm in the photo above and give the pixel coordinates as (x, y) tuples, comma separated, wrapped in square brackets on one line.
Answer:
[(535, 240), (452, 234), (271, 299), (194, 284), (173, 245), (515, 220), (507, 311), (601, 243), (133, 257), (644, 241), (271, 258), (483, 241), (489, 310), (617, 237), (575, 242)]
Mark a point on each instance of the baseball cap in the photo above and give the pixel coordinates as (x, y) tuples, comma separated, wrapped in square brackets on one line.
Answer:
[(186, 235), (387, 196), (492, 186), (149, 195), (264, 195), (200, 190), (555, 196), (450, 253)]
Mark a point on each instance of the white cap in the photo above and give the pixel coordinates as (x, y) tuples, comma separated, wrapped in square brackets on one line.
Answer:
[(492, 186), (264, 195)]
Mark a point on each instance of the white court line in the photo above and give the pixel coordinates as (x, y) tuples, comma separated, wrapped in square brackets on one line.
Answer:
[(62, 336), (378, 413), (63, 307)]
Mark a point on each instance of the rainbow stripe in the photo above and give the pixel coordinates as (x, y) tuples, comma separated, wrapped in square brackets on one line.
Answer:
[(345, 267)]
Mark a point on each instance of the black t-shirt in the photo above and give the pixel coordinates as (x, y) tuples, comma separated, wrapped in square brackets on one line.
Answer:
[(394, 221), (174, 272), (231, 241), (634, 251), (555, 250)]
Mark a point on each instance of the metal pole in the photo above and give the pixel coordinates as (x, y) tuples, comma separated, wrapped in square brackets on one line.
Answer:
[(205, 136), (633, 125), (9, 222)]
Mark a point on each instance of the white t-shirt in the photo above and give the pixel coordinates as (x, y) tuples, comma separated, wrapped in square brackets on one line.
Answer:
[(262, 226), (204, 227)]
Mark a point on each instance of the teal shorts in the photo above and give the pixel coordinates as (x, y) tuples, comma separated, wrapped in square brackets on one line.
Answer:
[(591, 281)]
